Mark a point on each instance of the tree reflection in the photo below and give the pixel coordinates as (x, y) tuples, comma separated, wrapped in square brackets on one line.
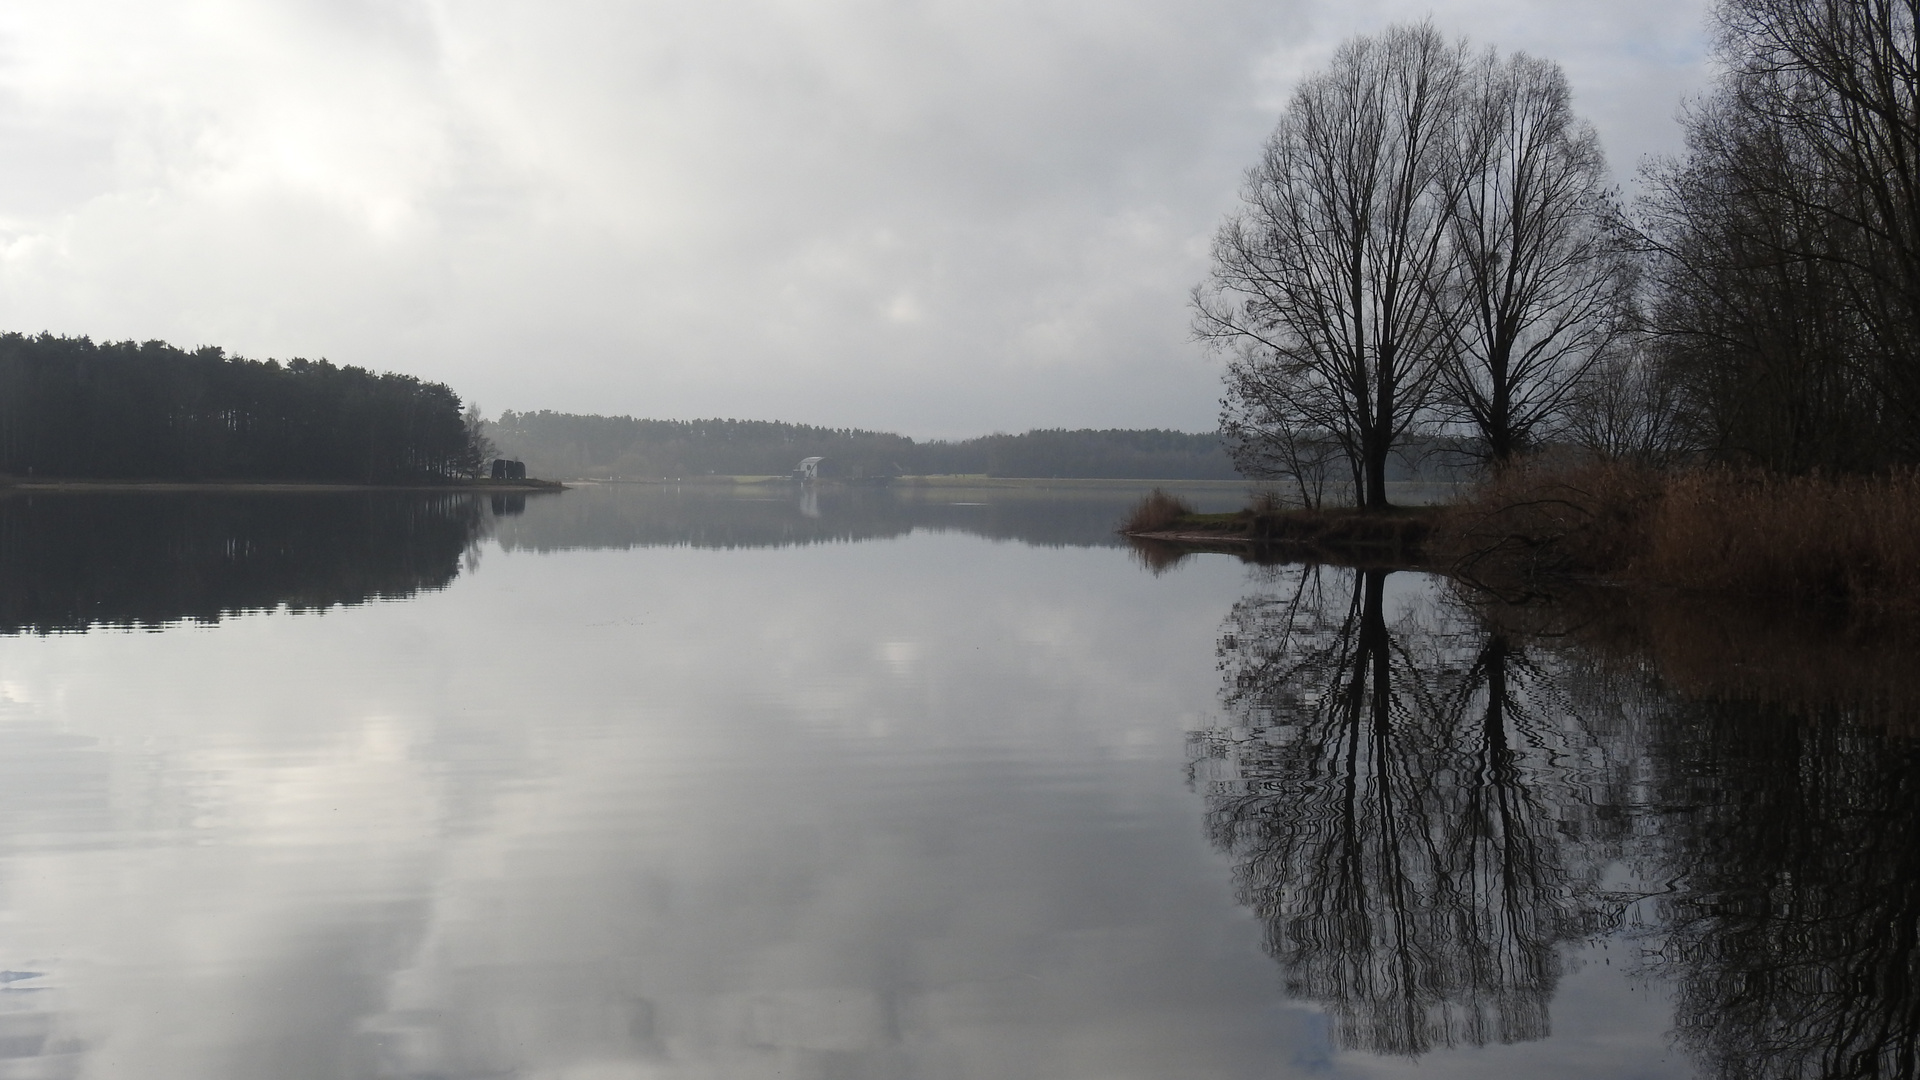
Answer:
[(71, 561), (768, 516), (1781, 822), (1794, 933), (1413, 811)]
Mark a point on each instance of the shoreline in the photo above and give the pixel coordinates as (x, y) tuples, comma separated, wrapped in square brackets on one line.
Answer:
[(981, 480), (44, 487), (1706, 531), (1397, 538), (953, 480)]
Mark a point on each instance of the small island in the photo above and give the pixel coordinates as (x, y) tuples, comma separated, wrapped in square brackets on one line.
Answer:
[(1533, 530)]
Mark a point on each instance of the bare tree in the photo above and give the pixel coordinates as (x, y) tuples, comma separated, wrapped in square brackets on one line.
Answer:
[(1752, 310), (1329, 281), (1842, 79), (1628, 407), (1541, 282), (1790, 237), (1268, 441)]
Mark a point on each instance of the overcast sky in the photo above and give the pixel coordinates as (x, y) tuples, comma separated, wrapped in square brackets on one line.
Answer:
[(941, 217)]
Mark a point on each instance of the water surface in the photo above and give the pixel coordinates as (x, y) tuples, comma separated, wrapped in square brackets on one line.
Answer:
[(635, 782)]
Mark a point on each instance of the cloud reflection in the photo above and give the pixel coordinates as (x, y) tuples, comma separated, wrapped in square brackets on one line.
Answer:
[(665, 812)]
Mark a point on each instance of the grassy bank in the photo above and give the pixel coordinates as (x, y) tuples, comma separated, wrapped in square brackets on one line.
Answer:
[(1399, 535), (1847, 539)]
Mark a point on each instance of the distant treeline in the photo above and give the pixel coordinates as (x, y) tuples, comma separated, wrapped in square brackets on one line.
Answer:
[(73, 408), (569, 445)]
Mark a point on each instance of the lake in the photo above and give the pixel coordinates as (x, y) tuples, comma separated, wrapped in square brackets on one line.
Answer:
[(645, 782)]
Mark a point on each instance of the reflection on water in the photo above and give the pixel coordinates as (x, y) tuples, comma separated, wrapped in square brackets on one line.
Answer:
[(1793, 934), (818, 810), (1432, 813), (1418, 818), (1781, 817), (652, 783), (778, 515), (69, 561), (73, 560)]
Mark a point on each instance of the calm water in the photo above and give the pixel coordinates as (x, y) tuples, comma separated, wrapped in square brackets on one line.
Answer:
[(632, 783)]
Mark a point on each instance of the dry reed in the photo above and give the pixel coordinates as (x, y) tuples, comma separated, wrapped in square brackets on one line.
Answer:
[(1717, 530), (1528, 523), (1156, 512), (1844, 538)]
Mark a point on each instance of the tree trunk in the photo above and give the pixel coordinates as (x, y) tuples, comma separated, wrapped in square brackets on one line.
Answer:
[(1500, 439), (1376, 464)]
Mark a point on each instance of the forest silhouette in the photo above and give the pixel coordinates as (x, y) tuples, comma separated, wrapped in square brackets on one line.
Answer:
[(70, 408), (571, 445)]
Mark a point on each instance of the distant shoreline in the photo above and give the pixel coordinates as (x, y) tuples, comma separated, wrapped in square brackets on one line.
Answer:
[(956, 480), (977, 481), (517, 487)]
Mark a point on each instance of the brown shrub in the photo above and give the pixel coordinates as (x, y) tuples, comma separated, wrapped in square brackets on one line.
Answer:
[(1157, 511)]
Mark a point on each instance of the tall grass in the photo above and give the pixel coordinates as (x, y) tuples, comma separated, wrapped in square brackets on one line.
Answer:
[(1156, 512), (1846, 538), (1527, 523), (1719, 530)]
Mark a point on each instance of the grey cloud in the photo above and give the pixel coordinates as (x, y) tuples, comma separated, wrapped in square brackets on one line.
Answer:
[(940, 217)]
